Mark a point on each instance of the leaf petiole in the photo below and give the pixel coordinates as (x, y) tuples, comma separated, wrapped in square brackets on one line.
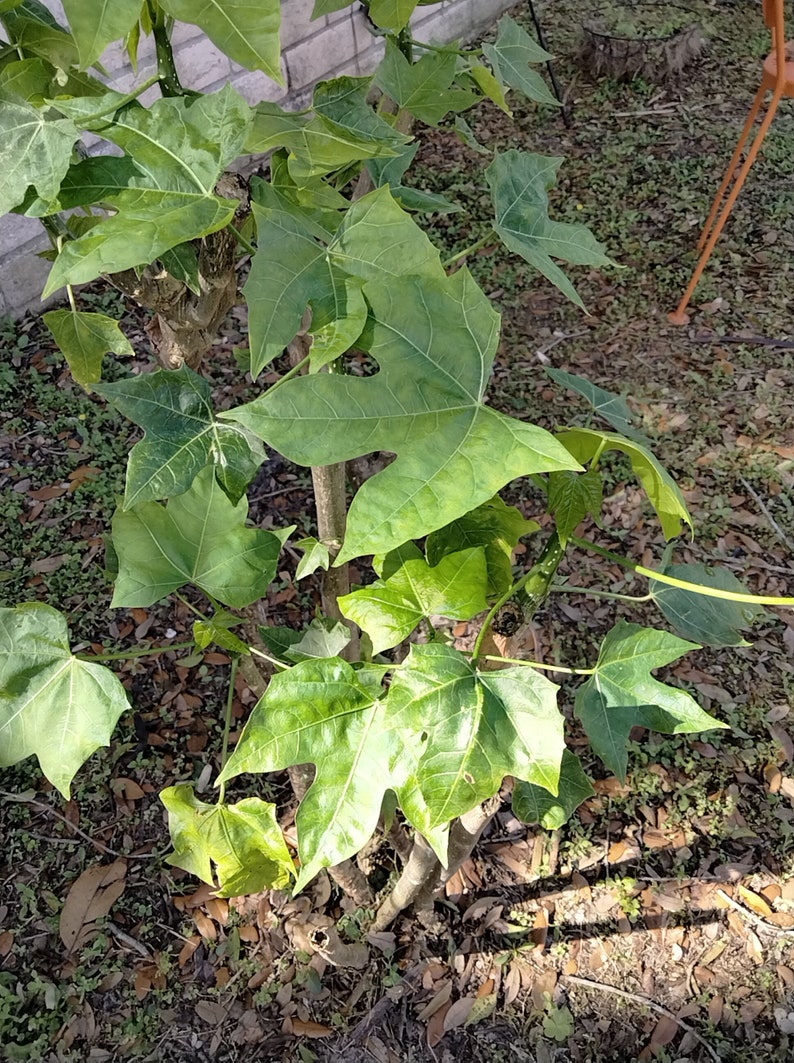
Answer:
[(227, 726), (537, 664), (562, 588), (487, 239)]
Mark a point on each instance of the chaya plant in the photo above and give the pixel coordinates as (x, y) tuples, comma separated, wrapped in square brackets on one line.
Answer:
[(416, 741)]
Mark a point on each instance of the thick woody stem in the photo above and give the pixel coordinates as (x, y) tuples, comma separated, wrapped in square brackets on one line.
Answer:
[(423, 867)]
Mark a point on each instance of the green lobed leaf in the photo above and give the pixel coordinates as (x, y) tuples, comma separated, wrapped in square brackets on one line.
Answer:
[(86, 182), (519, 183), (390, 172), (494, 526), (622, 693), (571, 497), (243, 842), (332, 340), (217, 629), (245, 30), (95, 25), (712, 621), (534, 804), (315, 146), (328, 7), (199, 537), (490, 87), (478, 727), (319, 712), (392, 14), (27, 80), (34, 150), (409, 591), (425, 88), (182, 436), (316, 555), (181, 146), (614, 409), (342, 103), (34, 31), (52, 705), (434, 339), (658, 484), (511, 57), (85, 338)]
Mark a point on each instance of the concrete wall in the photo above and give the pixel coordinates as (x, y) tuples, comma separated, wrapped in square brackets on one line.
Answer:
[(335, 44)]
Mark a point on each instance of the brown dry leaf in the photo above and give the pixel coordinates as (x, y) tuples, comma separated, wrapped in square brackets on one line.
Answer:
[(542, 987), (771, 893), (755, 902), (479, 908), (716, 1004), (512, 984), (754, 949), (211, 1012), (787, 890), (664, 1032), (784, 738), (435, 1027), (737, 924), (6, 942), (703, 974), (786, 975), (218, 909), (249, 933), (458, 1013), (127, 789), (711, 954), (205, 925), (750, 1010), (540, 929), (90, 897), (782, 919), (655, 839), (436, 1002), (617, 851), (787, 787), (142, 985), (611, 787), (187, 950)]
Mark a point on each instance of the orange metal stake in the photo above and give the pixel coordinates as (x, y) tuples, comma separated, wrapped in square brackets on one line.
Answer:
[(778, 78)]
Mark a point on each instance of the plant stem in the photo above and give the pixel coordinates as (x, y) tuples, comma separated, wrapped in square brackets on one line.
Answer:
[(423, 866), (123, 101), (270, 660), (294, 371), (167, 75), (330, 496), (562, 588), (537, 664), (227, 726), (243, 241), (126, 655), (684, 585), (445, 49), (191, 607), (70, 294), (405, 43), (535, 585), (487, 239)]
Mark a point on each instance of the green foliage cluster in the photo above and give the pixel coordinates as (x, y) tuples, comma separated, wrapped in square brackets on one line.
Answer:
[(338, 255)]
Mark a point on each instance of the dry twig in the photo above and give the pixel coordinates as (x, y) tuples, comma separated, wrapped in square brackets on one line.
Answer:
[(784, 931)]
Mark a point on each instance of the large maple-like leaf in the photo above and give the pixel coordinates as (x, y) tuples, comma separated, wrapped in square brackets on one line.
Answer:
[(434, 339), (35, 149), (476, 728), (410, 590), (520, 183), (443, 740), (52, 705), (511, 56), (622, 693), (319, 712), (199, 537), (534, 804), (95, 25), (663, 493), (180, 146), (85, 338), (243, 842), (246, 30), (426, 88), (183, 435)]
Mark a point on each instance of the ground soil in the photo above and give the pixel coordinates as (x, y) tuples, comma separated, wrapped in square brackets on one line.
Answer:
[(658, 923)]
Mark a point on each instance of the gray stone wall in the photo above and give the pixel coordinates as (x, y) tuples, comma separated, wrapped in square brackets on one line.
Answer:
[(334, 44)]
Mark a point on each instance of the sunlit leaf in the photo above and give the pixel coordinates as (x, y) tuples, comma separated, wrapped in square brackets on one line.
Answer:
[(218, 630), (316, 555), (241, 844), (519, 183), (52, 705), (712, 621), (392, 14), (659, 486), (622, 693), (494, 526), (614, 409), (199, 537), (454, 452), (534, 804), (182, 436), (85, 338), (409, 591)]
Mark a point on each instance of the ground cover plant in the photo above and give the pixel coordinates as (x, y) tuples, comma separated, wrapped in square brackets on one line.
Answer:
[(436, 559)]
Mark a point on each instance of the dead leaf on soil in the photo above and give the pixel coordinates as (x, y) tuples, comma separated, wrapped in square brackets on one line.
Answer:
[(91, 897), (435, 1027), (665, 1031), (755, 902)]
